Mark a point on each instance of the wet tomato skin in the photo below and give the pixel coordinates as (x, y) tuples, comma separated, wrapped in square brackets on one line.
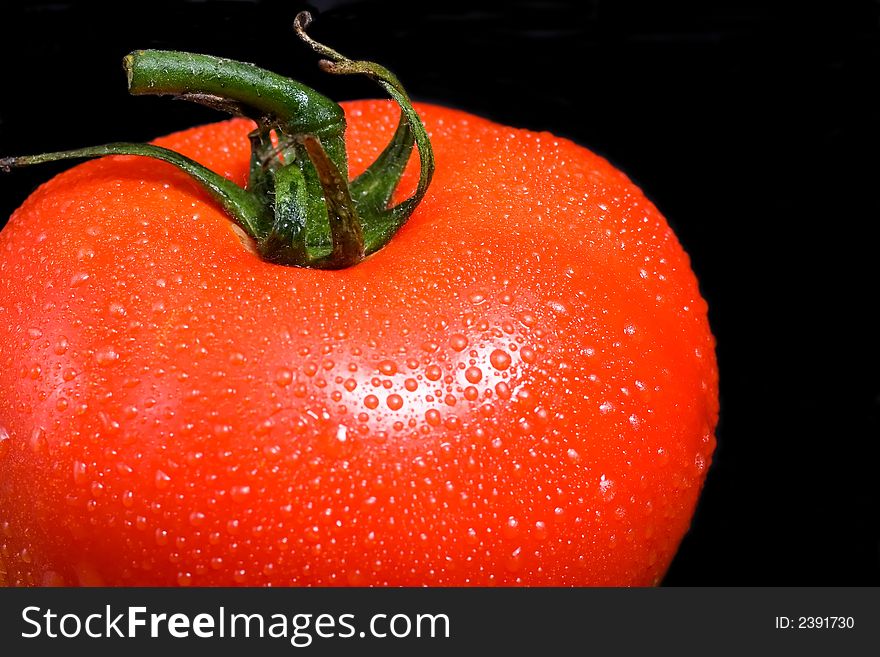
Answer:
[(520, 389)]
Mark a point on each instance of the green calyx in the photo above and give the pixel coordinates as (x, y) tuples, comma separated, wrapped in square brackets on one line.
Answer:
[(299, 207)]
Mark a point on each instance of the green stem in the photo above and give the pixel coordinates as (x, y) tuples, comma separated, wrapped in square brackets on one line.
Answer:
[(299, 207), (374, 187), (255, 90), (238, 88), (345, 226), (241, 205)]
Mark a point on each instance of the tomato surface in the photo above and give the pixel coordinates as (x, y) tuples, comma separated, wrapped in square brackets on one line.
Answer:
[(520, 389)]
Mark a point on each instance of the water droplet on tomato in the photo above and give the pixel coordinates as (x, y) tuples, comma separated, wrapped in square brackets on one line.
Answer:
[(458, 342), (61, 346), (528, 319), (433, 372), (514, 562), (510, 529), (106, 356), (80, 473), (283, 377), (500, 359), (240, 493), (540, 530), (162, 480), (388, 367), (395, 402), (116, 309), (432, 417), (473, 374), (371, 401), (78, 279), (39, 443), (606, 489), (558, 307)]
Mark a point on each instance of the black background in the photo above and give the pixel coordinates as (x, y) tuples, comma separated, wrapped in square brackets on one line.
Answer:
[(751, 125)]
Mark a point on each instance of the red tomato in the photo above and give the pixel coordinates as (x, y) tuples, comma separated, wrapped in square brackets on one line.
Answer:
[(520, 389)]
